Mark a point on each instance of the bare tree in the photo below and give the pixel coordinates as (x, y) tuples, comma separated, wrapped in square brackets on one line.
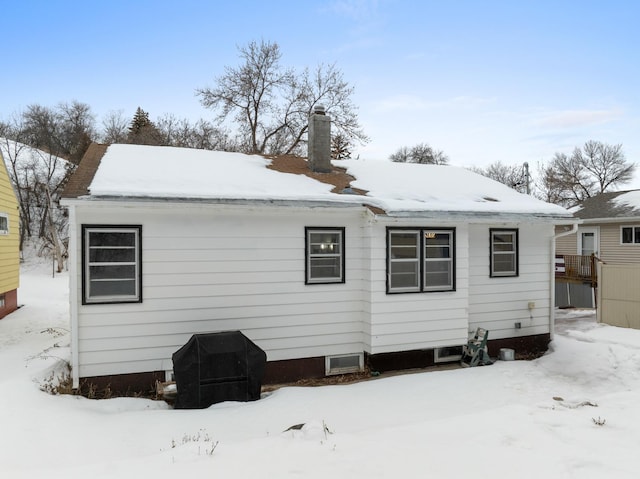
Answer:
[(76, 129), (65, 131), (514, 176), (402, 155), (271, 104), (593, 169), (114, 127), (421, 153), (38, 177), (201, 134), (340, 146)]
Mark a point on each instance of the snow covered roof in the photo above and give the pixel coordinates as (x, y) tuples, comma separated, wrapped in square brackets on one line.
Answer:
[(139, 171)]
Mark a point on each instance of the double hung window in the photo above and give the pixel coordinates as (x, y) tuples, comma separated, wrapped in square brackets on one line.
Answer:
[(504, 252), (420, 259), (324, 255), (112, 264)]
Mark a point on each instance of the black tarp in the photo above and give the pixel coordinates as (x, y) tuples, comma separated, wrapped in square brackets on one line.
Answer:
[(216, 367)]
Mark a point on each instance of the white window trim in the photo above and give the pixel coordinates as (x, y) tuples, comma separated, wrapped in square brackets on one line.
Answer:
[(4, 231), (416, 260), (353, 369), (516, 253), (86, 276), (633, 234), (340, 255), (439, 355), (448, 260)]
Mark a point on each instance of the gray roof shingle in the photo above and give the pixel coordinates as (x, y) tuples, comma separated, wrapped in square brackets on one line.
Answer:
[(603, 206)]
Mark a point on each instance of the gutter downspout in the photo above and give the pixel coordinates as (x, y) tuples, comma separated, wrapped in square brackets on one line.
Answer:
[(552, 302), (73, 296)]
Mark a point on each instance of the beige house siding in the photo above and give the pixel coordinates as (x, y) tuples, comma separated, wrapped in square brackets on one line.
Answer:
[(612, 250), (618, 295), (566, 244)]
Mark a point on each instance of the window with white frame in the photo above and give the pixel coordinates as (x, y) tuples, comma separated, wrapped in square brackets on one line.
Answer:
[(4, 224), (504, 252), (420, 259), (324, 255), (630, 234), (112, 264)]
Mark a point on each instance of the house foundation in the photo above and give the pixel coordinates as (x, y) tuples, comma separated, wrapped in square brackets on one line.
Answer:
[(289, 371)]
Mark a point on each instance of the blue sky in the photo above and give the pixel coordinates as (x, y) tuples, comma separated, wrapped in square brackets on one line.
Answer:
[(509, 81)]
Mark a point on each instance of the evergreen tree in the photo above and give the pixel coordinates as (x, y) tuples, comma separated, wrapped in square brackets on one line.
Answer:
[(142, 130), (140, 120)]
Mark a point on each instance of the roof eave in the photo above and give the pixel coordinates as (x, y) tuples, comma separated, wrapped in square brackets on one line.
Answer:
[(622, 219), (136, 200), (483, 216), (356, 202)]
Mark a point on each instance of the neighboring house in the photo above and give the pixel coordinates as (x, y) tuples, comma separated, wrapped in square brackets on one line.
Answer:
[(9, 244), (371, 264), (610, 228), (610, 231)]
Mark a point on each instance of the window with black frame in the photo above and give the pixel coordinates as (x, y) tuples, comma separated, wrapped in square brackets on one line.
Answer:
[(504, 252), (630, 234), (112, 269), (420, 259)]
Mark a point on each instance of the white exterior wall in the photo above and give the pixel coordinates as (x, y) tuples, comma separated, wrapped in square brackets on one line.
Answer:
[(425, 320), (496, 304), (215, 268), (209, 268)]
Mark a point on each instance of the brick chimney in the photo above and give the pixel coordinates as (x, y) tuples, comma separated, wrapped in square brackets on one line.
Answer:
[(320, 141)]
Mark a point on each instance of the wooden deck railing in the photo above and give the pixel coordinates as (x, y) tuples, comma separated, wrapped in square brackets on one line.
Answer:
[(573, 267)]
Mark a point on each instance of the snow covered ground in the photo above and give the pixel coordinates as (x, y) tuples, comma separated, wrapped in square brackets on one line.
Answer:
[(523, 419)]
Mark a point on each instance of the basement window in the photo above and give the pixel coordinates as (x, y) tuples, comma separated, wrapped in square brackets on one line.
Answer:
[(2, 301), (4, 224), (349, 363), (324, 255), (447, 354), (111, 264)]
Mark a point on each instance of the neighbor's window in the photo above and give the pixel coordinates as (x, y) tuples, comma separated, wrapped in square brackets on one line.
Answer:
[(630, 234), (420, 260), (504, 252), (112, 269), (325, 255), (4, 224)]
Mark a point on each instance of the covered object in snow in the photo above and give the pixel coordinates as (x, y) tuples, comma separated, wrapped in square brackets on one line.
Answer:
[(216, 367)]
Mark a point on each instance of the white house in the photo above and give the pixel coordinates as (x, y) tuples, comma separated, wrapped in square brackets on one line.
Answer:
[(371, 263)]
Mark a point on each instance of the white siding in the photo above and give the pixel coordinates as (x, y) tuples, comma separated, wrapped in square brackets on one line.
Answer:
[(408, 321), (498, 303), (210, 268), (213, 268)]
